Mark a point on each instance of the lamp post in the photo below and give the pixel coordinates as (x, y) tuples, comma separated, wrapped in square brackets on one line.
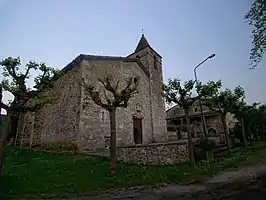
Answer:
[(201, 111)]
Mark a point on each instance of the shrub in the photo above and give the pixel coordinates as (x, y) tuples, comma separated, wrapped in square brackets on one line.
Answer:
[(176, 128), (205, 144)]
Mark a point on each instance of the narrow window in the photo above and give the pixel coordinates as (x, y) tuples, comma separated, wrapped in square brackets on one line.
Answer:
[(155, 62), (102, 115), (137, 130)]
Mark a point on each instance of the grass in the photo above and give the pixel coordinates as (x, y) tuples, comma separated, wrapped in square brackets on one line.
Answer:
[(29, 173)]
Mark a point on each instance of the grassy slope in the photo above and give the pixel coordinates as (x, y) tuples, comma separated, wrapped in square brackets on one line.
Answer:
[(29, 173)]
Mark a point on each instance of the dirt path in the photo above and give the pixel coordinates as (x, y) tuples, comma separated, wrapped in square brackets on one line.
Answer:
[(245, 184)]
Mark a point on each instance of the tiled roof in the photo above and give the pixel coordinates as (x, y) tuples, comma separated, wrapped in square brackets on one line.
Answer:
[(82, 57), (143, 43)]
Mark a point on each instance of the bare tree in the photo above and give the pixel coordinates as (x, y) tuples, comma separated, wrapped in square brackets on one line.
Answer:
[(117, 98)]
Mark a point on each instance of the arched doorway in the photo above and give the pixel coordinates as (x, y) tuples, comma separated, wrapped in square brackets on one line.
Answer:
[(212, 132)]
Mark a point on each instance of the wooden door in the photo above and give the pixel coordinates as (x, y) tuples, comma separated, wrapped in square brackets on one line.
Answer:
[(137, 130)]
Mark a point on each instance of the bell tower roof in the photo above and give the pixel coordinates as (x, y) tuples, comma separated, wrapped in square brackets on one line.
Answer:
[(143, 43)]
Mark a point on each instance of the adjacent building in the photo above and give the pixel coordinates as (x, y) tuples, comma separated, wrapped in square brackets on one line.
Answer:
[(214, 126)]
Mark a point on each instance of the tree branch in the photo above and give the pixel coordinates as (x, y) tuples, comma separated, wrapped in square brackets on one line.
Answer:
[(95, 95), (108, 86)]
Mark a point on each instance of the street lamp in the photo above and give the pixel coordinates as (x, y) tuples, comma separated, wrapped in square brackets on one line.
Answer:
[(201, 111)]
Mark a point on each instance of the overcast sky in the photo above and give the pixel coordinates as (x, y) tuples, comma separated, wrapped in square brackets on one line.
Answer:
[(184, 32)]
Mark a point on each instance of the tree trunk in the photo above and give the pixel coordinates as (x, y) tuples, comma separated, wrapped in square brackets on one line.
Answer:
[(3, 138), (2, 145), (244, 134), (250, 135), (257, 133), (190, 142), (226, 133), (113, 141)]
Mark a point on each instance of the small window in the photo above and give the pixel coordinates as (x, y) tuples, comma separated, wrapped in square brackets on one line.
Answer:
[(155, 62), (102, 116), (195, 109), (135, 80), (138, 109)]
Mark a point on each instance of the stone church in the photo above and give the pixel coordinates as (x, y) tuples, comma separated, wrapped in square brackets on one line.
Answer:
[(74, 117)]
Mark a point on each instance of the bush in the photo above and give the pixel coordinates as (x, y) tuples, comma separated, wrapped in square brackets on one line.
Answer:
[(176, 128), (236, 132), (205, 144)]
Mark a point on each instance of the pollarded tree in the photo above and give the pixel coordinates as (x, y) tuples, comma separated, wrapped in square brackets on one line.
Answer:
[(174, 92), (256, 17), (224, 103), (114, 97), (15, 83)]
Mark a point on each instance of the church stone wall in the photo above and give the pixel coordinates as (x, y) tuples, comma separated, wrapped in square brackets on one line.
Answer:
[(57, 121), (94, 120), (153, 63)]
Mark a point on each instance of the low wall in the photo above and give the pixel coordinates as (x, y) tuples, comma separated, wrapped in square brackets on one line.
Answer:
[(156, 153)]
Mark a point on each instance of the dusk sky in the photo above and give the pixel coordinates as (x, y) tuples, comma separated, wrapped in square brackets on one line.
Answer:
[(183, 32)]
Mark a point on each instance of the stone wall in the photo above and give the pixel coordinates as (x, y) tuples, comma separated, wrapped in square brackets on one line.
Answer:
[(153, 63), (95, 121), (57, 121), (156, 153)]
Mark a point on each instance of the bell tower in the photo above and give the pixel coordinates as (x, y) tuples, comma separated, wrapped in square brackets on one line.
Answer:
[(152, 61)]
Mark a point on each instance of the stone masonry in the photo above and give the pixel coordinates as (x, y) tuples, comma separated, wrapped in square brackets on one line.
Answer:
[(175, 152), (74, 117)]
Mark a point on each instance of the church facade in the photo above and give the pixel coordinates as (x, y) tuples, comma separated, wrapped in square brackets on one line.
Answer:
[(74, 117)]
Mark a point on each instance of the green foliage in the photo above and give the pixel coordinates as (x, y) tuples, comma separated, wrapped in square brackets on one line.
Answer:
[(176, 128), (256, 17), (236, 132), (15, 82), (252, 114), (174, 92), (209, 89), (205, 144), (182, 95), (223, 101), (58, 146), (47, 77)]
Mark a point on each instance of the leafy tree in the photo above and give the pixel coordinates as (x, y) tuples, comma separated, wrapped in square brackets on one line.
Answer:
[(240, 110), (117, 98), (250, 117), (15, 82), (256, 17), (261, 118), (174, 92), (223, 102), (256, 119)]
